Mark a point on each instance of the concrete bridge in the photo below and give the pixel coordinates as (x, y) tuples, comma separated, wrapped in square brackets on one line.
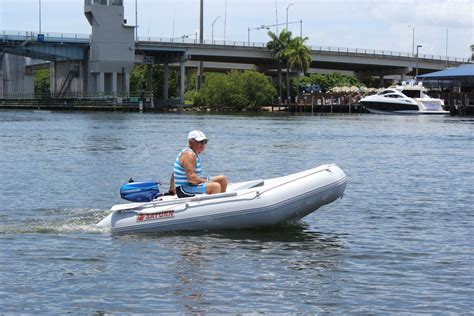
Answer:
[(243, 55), (61, 46), (96, 64)]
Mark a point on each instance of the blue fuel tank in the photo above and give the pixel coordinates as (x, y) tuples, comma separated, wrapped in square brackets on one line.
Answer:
[(143, 191)]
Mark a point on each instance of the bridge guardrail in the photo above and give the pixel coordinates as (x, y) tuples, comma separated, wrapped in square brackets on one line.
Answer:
[(181, 40), (133, 96), (386, 53), (48, 36)]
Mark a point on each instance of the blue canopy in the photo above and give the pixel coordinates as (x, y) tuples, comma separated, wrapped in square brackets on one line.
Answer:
[(452, 73)]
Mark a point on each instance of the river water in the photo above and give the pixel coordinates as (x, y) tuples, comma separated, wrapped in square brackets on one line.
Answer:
[(399, 241)]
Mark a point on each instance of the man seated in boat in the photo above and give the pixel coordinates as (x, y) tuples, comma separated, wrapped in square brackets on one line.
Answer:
[(187, 179)]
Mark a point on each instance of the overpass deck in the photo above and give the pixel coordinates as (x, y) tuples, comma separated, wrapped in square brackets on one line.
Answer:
[(63, 46)]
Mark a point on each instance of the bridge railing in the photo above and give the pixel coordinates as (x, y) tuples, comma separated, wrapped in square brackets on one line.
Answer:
[(134, 96), (187, 40), (386, 53), (46, 37)]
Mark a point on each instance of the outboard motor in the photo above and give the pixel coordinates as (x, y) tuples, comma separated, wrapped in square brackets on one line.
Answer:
[(144, 191)]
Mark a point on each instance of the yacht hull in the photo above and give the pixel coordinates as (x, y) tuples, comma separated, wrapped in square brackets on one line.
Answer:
[(390, 108)]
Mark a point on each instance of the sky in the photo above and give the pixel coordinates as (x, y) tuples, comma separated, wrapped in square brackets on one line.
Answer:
[(369, 24)]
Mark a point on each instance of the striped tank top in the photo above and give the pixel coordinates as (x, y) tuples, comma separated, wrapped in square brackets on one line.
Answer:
[(180, 177)]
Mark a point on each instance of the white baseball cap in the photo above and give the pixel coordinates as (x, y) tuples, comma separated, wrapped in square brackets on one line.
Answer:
[(197, 135)]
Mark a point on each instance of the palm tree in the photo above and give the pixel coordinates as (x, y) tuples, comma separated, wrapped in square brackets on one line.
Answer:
[(298, 56), (278, 45)]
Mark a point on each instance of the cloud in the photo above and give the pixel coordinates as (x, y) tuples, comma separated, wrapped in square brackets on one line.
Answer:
[(452, 13)]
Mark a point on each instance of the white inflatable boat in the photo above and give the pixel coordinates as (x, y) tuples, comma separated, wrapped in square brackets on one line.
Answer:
[(246, 204)]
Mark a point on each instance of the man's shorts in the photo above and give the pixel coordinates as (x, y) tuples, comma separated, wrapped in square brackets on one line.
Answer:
[(190, 190)]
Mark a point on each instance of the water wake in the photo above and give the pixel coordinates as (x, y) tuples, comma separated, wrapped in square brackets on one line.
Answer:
[(55, 221)]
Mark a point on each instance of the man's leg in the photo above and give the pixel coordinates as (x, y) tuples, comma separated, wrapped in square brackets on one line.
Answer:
[(213, 188), (222, 180)]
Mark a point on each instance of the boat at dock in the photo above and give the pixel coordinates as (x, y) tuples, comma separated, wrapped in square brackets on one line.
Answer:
[(408, 98), (255, 203)]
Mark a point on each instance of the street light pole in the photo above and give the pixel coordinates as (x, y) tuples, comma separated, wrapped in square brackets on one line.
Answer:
[(276, 15), (413, 40), (417, 47), (287, 15), (136, 20), (39, 16), (212, 36), (446, 47), (301, 28), (174, 19), (201, 40), (225, 19)]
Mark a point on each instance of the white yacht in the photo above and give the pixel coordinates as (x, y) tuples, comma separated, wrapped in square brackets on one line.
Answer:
[(409, 98)]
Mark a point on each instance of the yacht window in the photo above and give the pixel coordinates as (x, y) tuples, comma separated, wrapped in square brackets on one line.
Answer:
[(393, 96), (412, 93)]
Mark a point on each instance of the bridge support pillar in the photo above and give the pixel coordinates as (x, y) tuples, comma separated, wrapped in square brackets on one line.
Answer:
[(100, 83), (404, 73), (200, 75), (126, 79), (182, 77), (53, 78), (165, 80), (149, 81), (381, 82), (114, 84), (14, 78), (67, 78)]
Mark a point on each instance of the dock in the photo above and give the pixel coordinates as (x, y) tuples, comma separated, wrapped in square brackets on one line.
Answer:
[(460, 104)]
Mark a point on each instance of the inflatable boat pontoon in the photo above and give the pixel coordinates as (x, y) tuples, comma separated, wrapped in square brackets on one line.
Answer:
[(246, 204)]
